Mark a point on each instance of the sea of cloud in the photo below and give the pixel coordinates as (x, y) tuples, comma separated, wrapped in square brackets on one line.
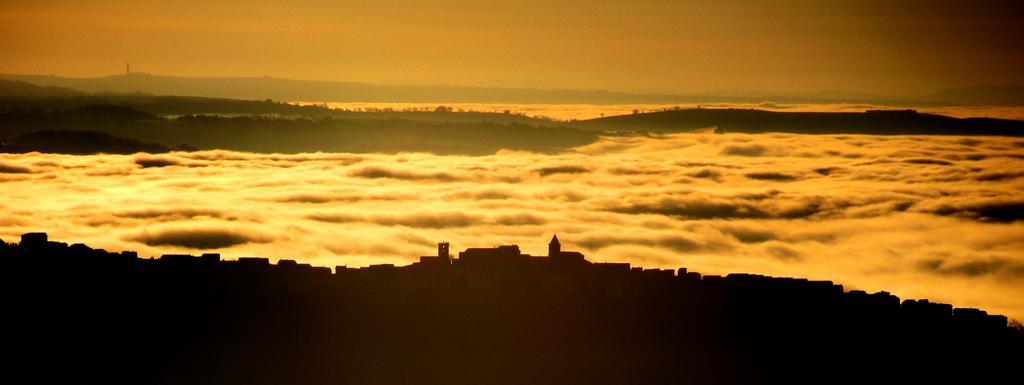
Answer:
[(919, 216)]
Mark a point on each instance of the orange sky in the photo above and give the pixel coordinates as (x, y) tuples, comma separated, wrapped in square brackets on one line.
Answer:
[(695, 46)]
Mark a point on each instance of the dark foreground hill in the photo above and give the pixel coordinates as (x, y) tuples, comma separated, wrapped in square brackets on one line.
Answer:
[(491, 316)]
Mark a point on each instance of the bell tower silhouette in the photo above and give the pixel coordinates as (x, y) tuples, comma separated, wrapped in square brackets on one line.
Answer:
[(442, 251), (554, 247)]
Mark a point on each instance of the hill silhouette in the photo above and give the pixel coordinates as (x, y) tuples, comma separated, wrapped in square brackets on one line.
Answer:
[(81, 143), (439, 131), (17, 88), (172, 106), (980, 95), (492, 315), (876, 122), (268, 126), (335, 91)]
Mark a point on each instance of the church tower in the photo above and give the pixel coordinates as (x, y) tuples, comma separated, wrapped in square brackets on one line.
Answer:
[(442, 252), (554, 247)]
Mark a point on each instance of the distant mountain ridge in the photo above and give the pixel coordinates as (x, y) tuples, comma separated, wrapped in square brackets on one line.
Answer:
[(23, 89), (81, 143), (260, 88), (989, 95), (260, 126), (334, 91)]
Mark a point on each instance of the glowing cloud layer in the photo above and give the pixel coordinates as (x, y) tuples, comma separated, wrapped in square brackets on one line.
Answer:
[(933, 217)]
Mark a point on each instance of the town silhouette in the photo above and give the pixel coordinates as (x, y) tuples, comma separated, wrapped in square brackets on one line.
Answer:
[(79, 315)]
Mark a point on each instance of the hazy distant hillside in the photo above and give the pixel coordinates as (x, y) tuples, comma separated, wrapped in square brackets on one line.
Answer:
[(888, 122), (981, 95), (309, 90), (17, 88), (79, 143), (261, 88), (292, 90), (439, 132), (267, 126), (186, 105)]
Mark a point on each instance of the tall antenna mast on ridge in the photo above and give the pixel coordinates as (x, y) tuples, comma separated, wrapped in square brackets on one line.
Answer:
[(127, 68)]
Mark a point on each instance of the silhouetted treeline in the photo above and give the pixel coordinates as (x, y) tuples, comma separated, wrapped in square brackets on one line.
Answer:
[(492, 316), (880, 122)]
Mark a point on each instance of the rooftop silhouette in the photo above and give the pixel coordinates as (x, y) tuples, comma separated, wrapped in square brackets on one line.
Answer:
[(492, 315)]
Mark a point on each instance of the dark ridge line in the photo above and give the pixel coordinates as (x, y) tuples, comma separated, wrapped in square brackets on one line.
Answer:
[(502, 257), (73, 314), (756, 121)]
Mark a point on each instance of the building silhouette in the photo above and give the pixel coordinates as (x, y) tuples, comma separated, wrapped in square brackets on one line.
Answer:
[(74, 314), (443, 256), (554, 247)]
